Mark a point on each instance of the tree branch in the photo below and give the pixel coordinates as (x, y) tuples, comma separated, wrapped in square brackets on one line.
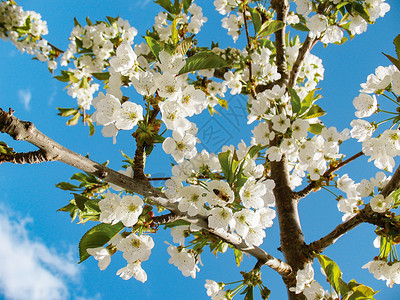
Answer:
[(26, 131), (281, 8), (328, 173), (294, 73), (33, 157), (366, 215)]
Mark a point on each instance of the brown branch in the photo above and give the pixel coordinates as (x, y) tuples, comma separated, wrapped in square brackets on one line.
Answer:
[(365, 215), (33, 157), (26, 131), (252, 90), (328, 173), (281, 8), (305, 48)]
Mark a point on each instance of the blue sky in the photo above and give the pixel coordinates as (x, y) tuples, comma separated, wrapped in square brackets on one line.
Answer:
[(38, 248)]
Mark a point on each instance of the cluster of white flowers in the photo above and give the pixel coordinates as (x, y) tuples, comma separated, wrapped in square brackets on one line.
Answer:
[(214, 198), (135, 248), (384, 271), (90, 50), (349, 205), (306, 284), (25, 29), (385, 147), (114, 209), (320, 27)]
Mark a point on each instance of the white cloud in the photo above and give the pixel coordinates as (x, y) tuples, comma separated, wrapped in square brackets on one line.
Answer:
[(25, 97), (28, 268)]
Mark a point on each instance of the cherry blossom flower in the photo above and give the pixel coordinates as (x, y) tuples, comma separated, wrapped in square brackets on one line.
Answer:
[(136, 247), (133, 269), (102, 255), (129, 210)]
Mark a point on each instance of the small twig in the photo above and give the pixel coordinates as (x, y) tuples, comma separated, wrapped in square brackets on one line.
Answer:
[(308, 189), (252, 90), (294, 73)]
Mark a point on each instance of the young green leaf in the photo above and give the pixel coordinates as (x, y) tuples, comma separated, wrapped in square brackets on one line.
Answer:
[(295, 100), (270, 27), (333, 274), (396, 43), (202, 61), (314, 112), (238, 256), (315, 128), (394, 61), (225, 159), (256, 18), (97, 236), (167, 5), (154, 46)]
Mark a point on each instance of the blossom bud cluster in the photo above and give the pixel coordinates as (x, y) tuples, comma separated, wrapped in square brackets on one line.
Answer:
[(384, 148), (215, 198), (90, 48), (349, 205), (384, 271), (329, 29), (306, 284), (135, 248), (25, 30)]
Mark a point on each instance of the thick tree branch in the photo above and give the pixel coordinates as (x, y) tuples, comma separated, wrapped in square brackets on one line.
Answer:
[(26, 131)]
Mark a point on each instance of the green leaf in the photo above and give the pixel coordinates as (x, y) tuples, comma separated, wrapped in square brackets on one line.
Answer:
[(66, 112), (176, 223), (76, 23), (238, 256), (101, 76), (80, 201), (223, 103), (249, 294), (72, 209), (184, 46), (167, 5), (295, 100), (97, 236), (308, 101), (314, 112), (203, 60), (4, 149), (359, 9), (315, 128), (270, 27), (256, 18), (394, 61), (240, 181), (186, 5), (254, 150), (66, 186), (225, 160), (396, 43), (333, 274), (91, 127), (62, 78), (74, 120), (154, 46), (174, 30), (299, 26), (90, 23)]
